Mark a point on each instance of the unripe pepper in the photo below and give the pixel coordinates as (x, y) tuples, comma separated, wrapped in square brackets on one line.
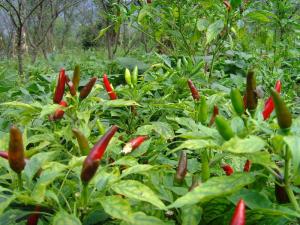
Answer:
[(71, 86), (181, 168), (108, 88), (251, 96), (128, 77), (60, 87), (82, 141), (227, 169), (247, 166), (284, 117), (237, 101), (203, 110), (134, 144), (269, 104), (239, 216), (76, 76), (91, 162), (213, 116), (224, 128), (194, 90), (86, 90), (16, 157), (58, 114), (135, 75)]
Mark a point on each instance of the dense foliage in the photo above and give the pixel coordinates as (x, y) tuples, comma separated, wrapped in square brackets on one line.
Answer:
[(191, 133)]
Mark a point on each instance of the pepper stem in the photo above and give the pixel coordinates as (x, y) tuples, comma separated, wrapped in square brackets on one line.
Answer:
[(84, 194), (20, 183), (205, 173)]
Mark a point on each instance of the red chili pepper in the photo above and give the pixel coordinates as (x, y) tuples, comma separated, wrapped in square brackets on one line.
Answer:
[(60, 87), (58, 114), (133, 144), (247, 166), (269, 104), (193, 90), (227, 5), (86, 90), (4, 154), (34, 217), (71, 86), (91, 162), (239, 216), (108, 88), (213, 116), (227, 169)]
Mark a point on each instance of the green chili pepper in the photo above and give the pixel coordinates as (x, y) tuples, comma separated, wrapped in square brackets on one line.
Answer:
[(237, 101), (203, 110), (82, 141), (284, 117), (224, 128), (134, 77), (76, 76), (128, 77)]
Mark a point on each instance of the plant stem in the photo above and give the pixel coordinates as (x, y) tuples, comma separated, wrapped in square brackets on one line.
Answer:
[(20, 183), (84, 194), (205, 173)]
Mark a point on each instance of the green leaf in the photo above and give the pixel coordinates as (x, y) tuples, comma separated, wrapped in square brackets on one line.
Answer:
[(140, 218), (127, 161), (119, 103), (194, 144), (102, 32), (248, 145), (5, 202), (262, 16), (293, 143), (213, 188), (136, 190), (191, 215), (202, 24), (63, 218), (164, 129), (49, 109), (214, 30), (235, 3), (117, 207), (136, 169)]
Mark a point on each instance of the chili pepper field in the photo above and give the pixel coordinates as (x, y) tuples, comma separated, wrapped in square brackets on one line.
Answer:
[(197, 122)]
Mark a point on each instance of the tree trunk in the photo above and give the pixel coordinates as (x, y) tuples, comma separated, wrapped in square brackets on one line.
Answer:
[(20, 49)]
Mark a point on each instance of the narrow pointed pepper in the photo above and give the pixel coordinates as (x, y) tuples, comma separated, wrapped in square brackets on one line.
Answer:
[(82, 141), (213, 116), (237, 101), (108, 88), (224, 128), (4, 154), (128, 77), (195, 183), (91, 162), (182, 167), (227, 5), (247, 166), (76, 76), (60, 87), (194, 90), (86, 90), (33, 219), (134, 144), (71, 86), (135, 75), (281, 195), (58, 114), (251, 96), (203, 110), (227, 169), (239, 216), (269, 104), (284, 117), (16, 157)]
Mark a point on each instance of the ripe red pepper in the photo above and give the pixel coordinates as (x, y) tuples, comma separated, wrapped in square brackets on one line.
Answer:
[(269, 104), (71, 86), (227, 169), (239, 216), (108, 88), (86, 90), (181, 168), (34, 217), (133, 144), (213, 116), (91, 162), (247, 166), (4, 154), (193, 90), (58, 114), (16, 157), (60, 87)]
